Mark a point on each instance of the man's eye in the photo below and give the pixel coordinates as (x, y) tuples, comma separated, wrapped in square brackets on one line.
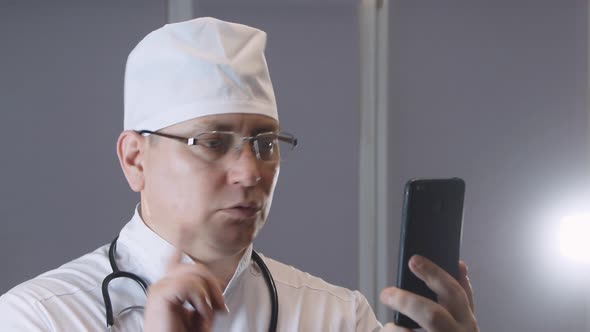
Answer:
[(215, 144), (266, 144)]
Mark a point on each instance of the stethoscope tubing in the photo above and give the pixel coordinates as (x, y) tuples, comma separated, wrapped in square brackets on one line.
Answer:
[(117, 273)]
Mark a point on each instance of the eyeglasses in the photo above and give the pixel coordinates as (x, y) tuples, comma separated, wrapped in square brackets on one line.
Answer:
[(214, 145)]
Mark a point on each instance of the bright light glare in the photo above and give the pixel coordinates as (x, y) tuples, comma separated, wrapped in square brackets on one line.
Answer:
[(574, 238)]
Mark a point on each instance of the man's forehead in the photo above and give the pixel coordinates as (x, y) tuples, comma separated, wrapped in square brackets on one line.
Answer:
[(234, 122)]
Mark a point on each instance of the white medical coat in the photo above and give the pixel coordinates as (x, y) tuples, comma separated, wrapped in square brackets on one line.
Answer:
[(69, 298)]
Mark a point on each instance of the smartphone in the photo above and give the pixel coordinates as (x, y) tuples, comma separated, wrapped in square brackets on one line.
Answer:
[(432, 222)]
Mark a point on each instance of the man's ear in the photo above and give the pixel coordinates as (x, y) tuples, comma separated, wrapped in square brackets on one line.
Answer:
[(130, 149)]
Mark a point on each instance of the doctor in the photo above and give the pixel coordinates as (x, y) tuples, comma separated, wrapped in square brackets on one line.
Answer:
[(202, 145)]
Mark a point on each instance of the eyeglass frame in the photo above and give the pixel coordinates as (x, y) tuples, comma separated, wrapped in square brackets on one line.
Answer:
[(192, 141)]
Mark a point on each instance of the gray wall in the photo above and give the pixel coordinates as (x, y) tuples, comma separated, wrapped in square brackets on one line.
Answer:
[(495, 92), (62, 193)]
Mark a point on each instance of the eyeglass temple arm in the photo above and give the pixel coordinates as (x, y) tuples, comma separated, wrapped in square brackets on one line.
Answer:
[(289, 138), (187, 140)]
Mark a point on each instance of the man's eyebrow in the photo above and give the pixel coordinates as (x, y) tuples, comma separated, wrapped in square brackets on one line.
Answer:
[(265, 129), (212, 126)]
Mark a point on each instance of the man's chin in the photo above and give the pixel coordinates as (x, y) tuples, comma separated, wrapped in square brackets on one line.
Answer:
[(237, 234)]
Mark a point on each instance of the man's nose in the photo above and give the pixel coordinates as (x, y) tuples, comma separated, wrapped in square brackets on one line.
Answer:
[(245, 168)]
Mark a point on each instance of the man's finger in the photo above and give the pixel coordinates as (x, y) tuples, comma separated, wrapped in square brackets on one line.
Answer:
[(466, 284), (215, 298), (199, 274), (390, 327), (449, 292), (430, 315), (183, 240), (199, 297), (174, 259)]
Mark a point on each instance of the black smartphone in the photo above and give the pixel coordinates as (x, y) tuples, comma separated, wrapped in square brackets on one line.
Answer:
[(432, 222)]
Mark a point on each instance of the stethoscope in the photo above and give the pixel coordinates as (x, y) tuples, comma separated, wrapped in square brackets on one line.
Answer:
[(270, 283)]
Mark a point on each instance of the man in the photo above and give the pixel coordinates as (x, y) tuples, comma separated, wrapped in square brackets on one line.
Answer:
[(202, 145)]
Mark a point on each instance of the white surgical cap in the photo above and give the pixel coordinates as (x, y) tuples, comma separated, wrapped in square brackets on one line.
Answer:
[(195, 68)]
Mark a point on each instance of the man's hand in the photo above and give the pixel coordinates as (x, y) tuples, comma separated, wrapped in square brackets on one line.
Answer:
[(454, 311), (191, 284)]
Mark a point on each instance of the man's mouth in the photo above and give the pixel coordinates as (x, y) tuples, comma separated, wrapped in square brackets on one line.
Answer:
[(243, 211)]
